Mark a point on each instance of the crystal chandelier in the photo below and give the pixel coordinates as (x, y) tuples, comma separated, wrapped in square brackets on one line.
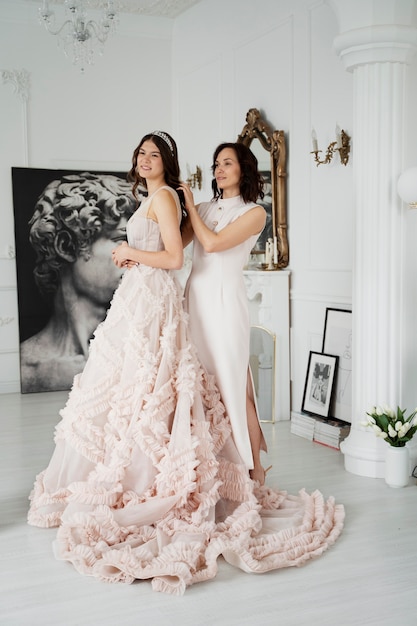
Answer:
[(78, 36)]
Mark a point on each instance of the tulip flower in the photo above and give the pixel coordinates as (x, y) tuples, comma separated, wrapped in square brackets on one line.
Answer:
[(392, 432), (393, 426)]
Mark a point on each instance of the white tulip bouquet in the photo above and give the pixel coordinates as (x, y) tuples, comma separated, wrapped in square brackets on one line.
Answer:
[(392, 425)]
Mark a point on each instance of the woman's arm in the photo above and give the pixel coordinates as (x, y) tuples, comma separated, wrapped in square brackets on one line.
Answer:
[(251, 223), (164, 211)]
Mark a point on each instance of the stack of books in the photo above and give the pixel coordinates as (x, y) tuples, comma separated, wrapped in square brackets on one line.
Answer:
[(303, 425), (328, 432)]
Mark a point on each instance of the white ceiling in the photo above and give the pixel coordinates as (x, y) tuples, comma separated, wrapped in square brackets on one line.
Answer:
[(163, 8)]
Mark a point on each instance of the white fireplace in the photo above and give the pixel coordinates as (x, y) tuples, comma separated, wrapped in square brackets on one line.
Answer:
[(269, 308)]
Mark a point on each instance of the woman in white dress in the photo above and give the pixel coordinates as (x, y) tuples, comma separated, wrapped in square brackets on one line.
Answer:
[(146, 481), (225, 231)]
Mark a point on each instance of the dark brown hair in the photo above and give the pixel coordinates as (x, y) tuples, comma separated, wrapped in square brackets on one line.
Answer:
[(251, 182), (170, 163)]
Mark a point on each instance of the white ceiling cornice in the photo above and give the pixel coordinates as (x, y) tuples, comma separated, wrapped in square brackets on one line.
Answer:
[(161, 8)]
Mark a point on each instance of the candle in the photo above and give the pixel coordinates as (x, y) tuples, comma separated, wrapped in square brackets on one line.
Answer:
[(275, 251), (268, 252), (314, 138)]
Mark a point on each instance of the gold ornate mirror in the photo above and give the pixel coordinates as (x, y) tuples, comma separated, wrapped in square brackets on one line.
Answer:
[(274, 172)]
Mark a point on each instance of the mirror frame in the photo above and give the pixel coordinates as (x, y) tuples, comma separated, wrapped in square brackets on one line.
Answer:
[(274, 142)]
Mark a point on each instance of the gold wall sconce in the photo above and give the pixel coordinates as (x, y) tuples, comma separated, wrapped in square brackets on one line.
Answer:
[(195, 180), (341, 145)]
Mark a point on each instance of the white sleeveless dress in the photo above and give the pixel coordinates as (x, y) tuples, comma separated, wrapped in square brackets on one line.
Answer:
[(145, 481), (216, 300)]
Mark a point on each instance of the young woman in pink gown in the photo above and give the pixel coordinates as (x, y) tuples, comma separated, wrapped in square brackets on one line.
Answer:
[(146, 481)]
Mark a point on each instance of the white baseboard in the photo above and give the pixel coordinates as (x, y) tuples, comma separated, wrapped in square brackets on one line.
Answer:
[(12, 386)]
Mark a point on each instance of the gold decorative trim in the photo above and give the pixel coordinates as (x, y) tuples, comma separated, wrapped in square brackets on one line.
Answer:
[(274, 142)]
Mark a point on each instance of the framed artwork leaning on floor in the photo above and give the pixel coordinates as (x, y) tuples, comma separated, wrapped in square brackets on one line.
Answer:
[(66, 224), (337, 339), (319, 384)]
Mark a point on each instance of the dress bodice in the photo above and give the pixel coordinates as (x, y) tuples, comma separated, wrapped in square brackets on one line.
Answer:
[(143, 233), (226, 265)]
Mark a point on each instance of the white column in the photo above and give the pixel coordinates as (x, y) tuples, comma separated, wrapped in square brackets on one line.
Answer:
[(377, 56)]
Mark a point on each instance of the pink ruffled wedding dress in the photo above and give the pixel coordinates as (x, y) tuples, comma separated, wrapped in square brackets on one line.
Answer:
[(145, 481)]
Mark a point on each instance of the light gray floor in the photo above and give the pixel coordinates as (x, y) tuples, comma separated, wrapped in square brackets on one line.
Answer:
[(368, 577)]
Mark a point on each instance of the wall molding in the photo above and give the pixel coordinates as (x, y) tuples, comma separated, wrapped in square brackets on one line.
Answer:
[(9, 254), (325, 298), (4, 321), (20, 82)]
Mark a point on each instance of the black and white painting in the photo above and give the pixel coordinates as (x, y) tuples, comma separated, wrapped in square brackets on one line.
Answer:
[(66, 224), (319, 385)]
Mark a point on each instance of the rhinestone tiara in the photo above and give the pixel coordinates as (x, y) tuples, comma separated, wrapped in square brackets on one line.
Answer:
[(165, 137)]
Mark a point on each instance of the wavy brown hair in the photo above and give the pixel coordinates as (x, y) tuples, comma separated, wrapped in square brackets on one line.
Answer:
[(251, 183)]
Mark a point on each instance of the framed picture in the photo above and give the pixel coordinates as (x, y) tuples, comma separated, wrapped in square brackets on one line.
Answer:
[(319, 385), (337, 339), (66, 224)]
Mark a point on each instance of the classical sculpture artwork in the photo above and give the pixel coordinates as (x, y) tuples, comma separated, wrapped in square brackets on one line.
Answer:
[(76, 222)]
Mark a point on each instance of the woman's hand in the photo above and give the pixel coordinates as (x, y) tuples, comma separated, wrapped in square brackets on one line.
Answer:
[(120, 255), (187, 229), (130, 264), (188, 196)]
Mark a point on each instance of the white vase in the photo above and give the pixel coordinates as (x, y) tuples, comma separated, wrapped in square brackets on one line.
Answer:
[(397, 466)]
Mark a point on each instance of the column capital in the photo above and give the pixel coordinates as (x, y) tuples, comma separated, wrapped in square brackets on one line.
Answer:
[(383, 43)]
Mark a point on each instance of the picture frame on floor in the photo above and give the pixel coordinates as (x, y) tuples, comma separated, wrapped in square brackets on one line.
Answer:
[(319, 384), (337, 339)]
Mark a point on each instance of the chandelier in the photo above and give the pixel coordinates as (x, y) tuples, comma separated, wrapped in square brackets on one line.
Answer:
[(79, 36)]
